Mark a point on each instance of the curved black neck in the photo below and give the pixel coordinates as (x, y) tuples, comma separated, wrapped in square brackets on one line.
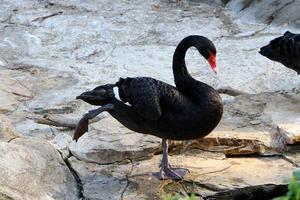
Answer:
[(181, 74)]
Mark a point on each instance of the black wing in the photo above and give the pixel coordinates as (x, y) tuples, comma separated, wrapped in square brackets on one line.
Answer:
[(142, 94)]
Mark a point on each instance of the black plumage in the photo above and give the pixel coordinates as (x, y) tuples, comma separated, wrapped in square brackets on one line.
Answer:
[(190, 110), (284, 49)]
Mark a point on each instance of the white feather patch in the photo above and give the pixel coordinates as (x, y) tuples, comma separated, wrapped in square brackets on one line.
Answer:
[(116, 92)]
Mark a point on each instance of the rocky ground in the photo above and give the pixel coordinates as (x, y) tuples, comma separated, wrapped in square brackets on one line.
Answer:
[(51, 51)]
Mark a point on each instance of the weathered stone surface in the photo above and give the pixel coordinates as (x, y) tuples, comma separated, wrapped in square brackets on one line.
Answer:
[(61, 142), (12, 92), (83, 39), (29, 128), (101, 181), (284, 111), (210, 173), (33, 169), (281, 12), (109, 142), (7, 131)]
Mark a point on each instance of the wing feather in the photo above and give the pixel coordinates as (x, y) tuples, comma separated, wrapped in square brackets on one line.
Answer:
[(142, 94)]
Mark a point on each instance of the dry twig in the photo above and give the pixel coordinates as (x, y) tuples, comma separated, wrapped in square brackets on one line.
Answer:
[(22, 95), (61, 121), (40, 19)]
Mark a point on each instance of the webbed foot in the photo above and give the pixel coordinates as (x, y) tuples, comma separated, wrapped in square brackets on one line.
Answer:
[(172, 173)]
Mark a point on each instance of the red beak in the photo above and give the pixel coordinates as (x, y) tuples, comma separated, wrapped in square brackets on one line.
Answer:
[(213, 63)]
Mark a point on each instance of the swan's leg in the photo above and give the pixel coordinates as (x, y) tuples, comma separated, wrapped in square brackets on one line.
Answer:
[(166, 171), (82, 125)]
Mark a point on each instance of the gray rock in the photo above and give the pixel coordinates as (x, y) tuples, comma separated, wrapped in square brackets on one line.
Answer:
[(209, 173), (101, 182), (61, 142), (12, 92), (281, 12), (7, 131), (33, 169)]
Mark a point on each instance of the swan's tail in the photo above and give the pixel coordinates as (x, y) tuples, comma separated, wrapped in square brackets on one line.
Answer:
[(99, 96)]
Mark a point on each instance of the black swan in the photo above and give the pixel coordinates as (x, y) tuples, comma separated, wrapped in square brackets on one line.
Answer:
[(284, 49), (190, 110)]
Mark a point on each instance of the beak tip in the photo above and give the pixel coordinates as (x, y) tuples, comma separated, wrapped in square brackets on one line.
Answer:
[(216, 70)]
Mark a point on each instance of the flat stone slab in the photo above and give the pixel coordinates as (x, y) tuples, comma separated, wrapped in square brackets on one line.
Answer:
[(12, 92), (7, 130), (209, 173), (33, 169)]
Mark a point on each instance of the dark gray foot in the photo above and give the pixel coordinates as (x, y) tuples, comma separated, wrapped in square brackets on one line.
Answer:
[(172, 173)]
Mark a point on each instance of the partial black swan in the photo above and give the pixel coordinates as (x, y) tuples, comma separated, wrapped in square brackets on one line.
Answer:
[(284, 49), (190, 110)]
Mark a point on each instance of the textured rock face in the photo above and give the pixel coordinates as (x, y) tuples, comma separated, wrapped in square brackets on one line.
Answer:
[(32, 169), (7, 131), (12, 92), (210, 173), (280, 12), (101, 181)]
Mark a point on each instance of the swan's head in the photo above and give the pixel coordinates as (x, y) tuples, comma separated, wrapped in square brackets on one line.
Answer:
[(208, 50), (205, 47), (281, 49), (272, 50)]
